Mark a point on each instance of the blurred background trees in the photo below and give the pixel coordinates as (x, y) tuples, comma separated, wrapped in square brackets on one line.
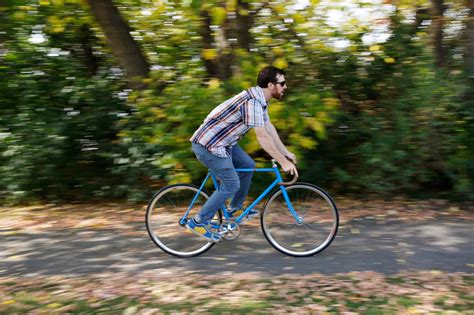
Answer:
[(99, 98)]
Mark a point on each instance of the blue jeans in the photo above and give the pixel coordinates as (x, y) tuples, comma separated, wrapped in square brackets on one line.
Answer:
[(232, 184)]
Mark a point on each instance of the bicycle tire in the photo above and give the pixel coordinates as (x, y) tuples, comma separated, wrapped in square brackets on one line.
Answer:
[(163, 213), (278, 223)]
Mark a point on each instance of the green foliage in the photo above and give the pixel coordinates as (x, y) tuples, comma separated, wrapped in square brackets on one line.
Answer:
[(57, 121), (406, 126), (156, 136), (366, 118)]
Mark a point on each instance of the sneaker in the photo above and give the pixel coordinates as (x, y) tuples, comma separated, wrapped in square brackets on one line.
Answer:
[(203, 230), (238, 212)]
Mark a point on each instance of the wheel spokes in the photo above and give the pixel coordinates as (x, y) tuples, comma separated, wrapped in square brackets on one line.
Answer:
[(164, 214), (313, 234)]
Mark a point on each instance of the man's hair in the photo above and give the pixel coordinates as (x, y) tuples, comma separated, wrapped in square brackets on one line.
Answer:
[(268, 75)]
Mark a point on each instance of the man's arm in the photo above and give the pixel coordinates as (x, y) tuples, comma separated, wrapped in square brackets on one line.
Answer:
[(266, 141), (278, 143)]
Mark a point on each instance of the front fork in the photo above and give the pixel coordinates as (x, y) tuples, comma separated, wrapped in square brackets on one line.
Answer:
[(299, 220)]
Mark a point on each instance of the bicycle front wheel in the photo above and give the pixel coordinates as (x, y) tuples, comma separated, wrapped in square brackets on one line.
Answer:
[(320, 220), (163, 215)]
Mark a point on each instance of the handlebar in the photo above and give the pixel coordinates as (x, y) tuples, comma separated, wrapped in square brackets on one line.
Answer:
[(291, 182)]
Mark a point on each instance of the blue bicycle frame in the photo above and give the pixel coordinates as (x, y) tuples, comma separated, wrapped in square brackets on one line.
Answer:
[(277, 182)]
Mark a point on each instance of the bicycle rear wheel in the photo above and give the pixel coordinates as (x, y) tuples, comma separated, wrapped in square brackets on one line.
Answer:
[(163, 215), (318, 212)]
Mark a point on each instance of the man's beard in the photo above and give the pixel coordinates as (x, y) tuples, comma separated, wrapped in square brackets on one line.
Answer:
[(278, 96)]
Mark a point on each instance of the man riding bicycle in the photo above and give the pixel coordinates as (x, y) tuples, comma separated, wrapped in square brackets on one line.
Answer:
[(215, 145)]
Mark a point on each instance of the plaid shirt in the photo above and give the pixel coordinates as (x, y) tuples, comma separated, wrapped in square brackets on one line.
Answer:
[(231, 120)]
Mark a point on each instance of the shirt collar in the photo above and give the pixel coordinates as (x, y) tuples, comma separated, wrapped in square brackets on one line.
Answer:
[(256, 92)]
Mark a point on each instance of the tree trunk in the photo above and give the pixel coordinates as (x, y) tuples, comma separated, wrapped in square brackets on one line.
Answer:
[(437, 23), (220, 66), (122, 44), (469, 41), (244, 23), (206, 35), (86, 40)]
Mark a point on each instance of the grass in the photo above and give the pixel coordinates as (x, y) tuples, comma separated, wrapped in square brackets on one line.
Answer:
[(245, 308), (395, 280), (407, 301)]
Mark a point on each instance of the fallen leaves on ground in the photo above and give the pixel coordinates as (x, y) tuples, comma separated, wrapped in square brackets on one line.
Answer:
[(124, 217), (169, 291), (120, 217), (403, 209), (159, 292)]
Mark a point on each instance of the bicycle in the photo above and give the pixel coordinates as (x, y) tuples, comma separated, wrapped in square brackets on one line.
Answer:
[(298, 219)]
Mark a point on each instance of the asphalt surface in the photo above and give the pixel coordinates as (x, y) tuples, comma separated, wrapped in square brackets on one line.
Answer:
[(446, 245)]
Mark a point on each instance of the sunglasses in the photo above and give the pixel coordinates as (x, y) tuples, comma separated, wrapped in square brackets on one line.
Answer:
[(282, 83)]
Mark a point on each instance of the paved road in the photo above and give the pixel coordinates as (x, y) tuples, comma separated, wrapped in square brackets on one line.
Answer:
[(363, 244)]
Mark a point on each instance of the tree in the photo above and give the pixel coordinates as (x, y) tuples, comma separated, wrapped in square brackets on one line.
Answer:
[(224, 28), (437, 24), (469, 41), (243, 25), (122, 44), (216, 55), (392, 122)]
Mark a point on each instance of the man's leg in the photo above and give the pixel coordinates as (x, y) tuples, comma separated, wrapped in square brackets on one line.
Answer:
[(224, 170), (241, 159)]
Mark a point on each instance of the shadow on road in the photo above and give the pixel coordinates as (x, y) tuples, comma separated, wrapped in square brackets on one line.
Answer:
[(360, 245)]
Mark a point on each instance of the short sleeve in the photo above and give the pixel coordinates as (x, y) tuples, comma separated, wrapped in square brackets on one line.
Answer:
[(266, 118), (253, 114)]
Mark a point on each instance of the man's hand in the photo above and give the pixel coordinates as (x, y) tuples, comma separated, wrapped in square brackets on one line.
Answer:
[(267, 143), (289, 167), (290, 156)]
